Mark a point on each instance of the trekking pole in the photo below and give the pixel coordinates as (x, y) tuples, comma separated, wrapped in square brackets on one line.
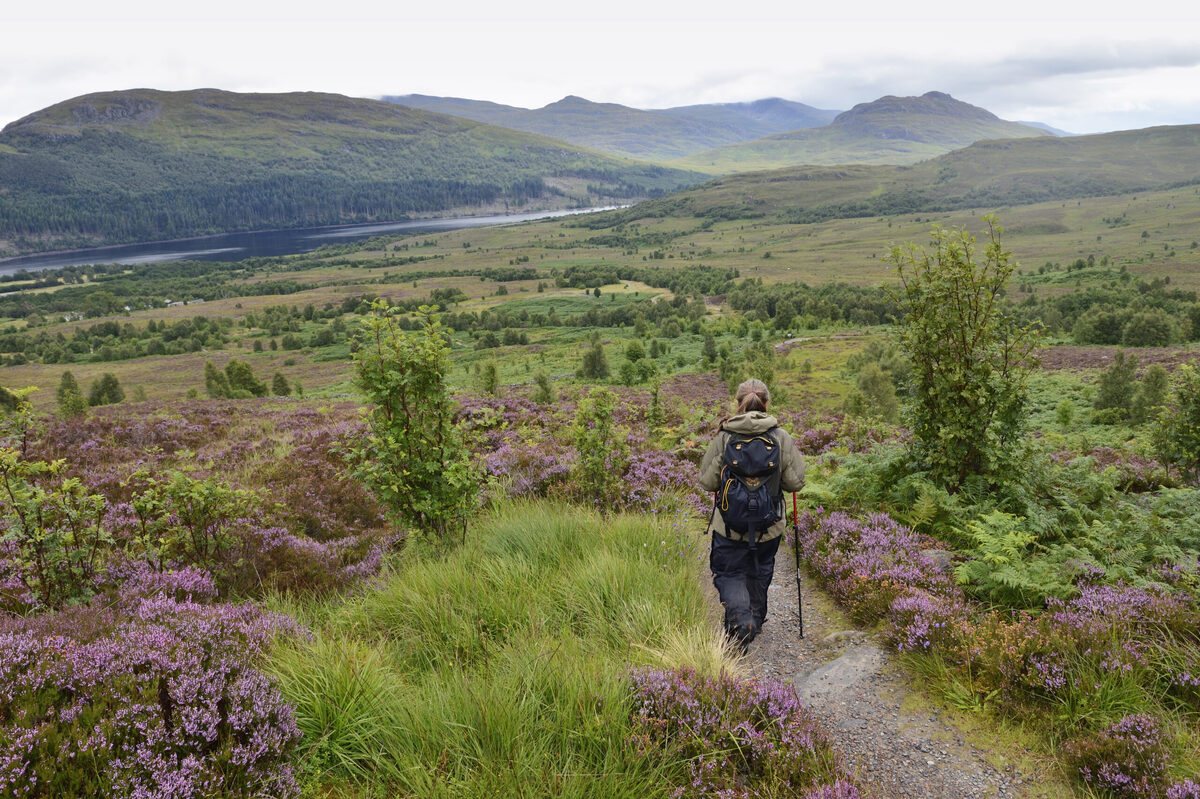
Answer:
[(796, 550)]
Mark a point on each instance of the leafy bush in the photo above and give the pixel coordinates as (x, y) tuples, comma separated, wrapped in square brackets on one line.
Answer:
[(1117, 385), (241, 378), (54, 540), (1099, 325), (69, 396), (603, 455), (1153, 328), (1176, 436), (106, 390), (413, 458), (970, 358)]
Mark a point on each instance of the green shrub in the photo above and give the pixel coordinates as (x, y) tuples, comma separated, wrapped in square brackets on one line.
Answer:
[(413, 458), (216, 384), (1176, 436), (1153, 328), (53, 524), (595, 364), (1151, 394), (241, 378), (603, 453), (106, 390), (69, 396), (1117, 384), (971, 360), (543, 394)]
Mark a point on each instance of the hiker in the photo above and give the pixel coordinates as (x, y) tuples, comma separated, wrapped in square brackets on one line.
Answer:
[(747, 521)]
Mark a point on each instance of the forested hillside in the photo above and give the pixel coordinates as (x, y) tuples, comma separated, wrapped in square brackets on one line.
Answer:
[(144, 165)]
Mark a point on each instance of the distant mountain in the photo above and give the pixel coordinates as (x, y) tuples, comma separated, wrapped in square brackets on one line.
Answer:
[(653, 135), (143, 164), (1047, 128), (988, 174), (758, 118), (890, 130)]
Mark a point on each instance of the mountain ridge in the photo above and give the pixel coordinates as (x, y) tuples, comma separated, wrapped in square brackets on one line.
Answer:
[(888, 130), (649, 134)]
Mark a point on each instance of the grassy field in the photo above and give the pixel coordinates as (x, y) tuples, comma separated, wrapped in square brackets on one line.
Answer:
[(500, 669)]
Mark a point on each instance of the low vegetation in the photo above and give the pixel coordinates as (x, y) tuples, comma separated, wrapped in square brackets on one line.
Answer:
[(515, 608)]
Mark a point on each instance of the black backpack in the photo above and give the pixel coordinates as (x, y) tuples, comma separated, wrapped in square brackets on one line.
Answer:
[(750, 498)]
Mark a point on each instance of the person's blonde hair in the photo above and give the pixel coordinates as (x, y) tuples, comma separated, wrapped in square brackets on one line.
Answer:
[(752, 395)]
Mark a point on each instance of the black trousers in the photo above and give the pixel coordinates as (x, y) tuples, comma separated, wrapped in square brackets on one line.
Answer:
[(742, 579)]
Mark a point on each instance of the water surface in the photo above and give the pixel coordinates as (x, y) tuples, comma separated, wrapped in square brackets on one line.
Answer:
[(238, 246)]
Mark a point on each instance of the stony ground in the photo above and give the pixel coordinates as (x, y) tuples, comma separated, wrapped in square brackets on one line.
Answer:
[(898, 741)]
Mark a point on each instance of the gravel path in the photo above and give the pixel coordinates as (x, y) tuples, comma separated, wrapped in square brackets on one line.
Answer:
[(851, 682)]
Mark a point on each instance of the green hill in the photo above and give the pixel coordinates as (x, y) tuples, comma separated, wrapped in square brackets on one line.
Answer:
[(989, 174), (890, 130), (653, 135), (144, 164)]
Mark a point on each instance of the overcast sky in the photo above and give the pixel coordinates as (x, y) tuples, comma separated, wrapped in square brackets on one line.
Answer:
[(1071, 65)]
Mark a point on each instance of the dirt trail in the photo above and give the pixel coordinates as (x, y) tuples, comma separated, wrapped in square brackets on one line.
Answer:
[(897, 747)]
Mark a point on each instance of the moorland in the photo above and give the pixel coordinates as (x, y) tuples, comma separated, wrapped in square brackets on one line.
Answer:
[(211, 584)]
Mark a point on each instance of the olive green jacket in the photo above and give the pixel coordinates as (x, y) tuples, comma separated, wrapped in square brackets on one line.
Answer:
[(790, 479)]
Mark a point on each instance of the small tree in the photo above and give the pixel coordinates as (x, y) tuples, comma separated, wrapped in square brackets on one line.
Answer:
[(1151, 394), (595, 365), (656, 417), (69, 395), (106, 390), (878, 392), (1117, 384), (603, 453), (709, 352), (53, 526), (280, 386), (241, 379), (413, 457), (216, 384), (543, 394), (1176, 436), (489, 379), (971, 359), (1153, 328)]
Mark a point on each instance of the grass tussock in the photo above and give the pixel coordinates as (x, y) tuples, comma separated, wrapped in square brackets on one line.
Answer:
[(502, 668)]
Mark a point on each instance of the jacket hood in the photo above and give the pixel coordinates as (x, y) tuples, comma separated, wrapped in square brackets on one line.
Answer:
[(752, 422)]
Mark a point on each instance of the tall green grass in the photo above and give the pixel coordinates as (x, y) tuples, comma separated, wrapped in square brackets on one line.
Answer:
[(500, 668)]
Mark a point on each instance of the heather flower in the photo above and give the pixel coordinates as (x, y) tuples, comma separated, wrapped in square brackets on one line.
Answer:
[(733, 734), (1128, 758), (869, 563), (1187, 789), (162, 699)]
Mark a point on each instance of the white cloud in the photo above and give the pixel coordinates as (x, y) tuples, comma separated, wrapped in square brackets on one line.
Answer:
[(1047, 60)]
